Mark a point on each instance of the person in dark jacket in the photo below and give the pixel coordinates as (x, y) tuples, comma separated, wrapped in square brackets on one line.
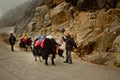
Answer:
[(12, 40), (70, 43)]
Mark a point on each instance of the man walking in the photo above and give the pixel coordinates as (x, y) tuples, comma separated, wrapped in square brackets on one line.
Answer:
[(70, 43), (12, 41)]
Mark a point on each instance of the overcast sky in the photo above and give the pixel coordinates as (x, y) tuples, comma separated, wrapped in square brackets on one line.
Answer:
[(5, 5)]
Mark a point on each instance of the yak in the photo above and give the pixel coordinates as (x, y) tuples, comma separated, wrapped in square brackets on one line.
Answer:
[(48, 48), (26, 44)]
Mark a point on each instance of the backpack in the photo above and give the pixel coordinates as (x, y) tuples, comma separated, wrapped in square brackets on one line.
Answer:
[(24, 40), (29, 41), (37, 43), (43, 43)]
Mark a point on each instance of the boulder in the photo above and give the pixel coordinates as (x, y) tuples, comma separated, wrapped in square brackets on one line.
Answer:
[(116, 44), (60, 8), (117, 62), (98, 58), (58, 15), (41, 10), (47, 21), (30, 27), (104, 41)]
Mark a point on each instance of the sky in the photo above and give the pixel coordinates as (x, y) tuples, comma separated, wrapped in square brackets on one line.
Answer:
[(6, 5)]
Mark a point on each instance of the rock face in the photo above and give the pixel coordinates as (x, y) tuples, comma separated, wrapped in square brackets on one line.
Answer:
[(116, 44), (53, 3), (96, 33), (59, 14)]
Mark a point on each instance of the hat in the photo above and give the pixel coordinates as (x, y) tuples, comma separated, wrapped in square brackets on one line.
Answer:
[(11, 33)]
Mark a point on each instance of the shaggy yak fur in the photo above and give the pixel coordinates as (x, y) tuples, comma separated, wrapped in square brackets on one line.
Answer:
[(26, 44), (49, 48)]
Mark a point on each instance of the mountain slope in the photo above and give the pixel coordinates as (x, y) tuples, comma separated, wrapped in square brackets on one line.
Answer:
[(13, 16)]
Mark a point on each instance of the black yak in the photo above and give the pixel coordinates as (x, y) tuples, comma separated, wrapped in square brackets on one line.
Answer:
[(25, 44), (46, 47)]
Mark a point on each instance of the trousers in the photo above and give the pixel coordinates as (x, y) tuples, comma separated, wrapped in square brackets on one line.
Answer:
[(68, 56)]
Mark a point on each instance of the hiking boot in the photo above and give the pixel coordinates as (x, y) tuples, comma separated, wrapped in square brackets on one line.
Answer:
[(70, 62), (65, 61)]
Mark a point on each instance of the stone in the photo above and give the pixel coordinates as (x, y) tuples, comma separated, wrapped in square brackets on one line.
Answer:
[(116, 44)]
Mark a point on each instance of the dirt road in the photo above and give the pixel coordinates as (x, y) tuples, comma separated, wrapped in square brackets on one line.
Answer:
[(20, 65)]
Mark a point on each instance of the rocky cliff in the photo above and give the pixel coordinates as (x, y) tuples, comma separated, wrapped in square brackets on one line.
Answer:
[(96, 29)]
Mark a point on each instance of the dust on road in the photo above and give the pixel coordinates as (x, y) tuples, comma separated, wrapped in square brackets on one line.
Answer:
[(20, 65)]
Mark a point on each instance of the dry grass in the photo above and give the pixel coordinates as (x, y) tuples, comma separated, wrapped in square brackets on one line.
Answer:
[(4, 37)]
